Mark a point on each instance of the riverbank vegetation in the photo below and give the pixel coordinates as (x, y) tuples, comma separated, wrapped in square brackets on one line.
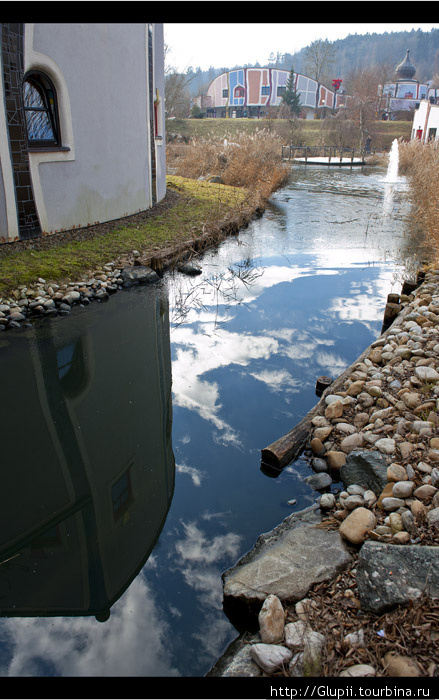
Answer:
[(250, 161), (306, 132), (191, 209), (420, 164)]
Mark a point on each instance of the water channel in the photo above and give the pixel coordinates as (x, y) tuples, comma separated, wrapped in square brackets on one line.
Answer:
[(132, 430)]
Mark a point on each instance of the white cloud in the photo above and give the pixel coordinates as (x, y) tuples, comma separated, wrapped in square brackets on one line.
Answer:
[(133, 642)]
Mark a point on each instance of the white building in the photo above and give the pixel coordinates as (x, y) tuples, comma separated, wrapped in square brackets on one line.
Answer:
[(426, 122), (81, 125), (404, 93)]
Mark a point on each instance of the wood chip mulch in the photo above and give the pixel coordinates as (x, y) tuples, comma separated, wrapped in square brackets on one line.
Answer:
[(411, 630)]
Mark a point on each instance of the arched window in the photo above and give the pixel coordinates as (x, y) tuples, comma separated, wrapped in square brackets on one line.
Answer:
[(40, 108)]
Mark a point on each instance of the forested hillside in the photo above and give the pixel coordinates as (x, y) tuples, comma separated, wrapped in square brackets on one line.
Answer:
[(356, 51), (361, 51)]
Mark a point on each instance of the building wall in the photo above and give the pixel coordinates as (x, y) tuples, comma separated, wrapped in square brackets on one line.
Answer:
[(426, 122), (111, 164), (262, 87)]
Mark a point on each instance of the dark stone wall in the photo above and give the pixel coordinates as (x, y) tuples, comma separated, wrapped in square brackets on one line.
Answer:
[(13, 72), (151, 112)]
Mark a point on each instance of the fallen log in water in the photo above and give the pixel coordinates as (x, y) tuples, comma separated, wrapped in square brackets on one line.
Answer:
[(289, 447)]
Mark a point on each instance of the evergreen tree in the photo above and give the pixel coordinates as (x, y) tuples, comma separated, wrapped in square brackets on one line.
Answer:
[(291, 97)]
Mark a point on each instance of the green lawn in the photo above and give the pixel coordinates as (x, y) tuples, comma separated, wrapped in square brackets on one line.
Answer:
[(201, 204)]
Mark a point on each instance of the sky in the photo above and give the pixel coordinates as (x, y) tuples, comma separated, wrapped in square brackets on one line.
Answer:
[(202, 45)]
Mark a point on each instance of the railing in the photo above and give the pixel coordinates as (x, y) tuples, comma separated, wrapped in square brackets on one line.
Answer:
[(331, 153)]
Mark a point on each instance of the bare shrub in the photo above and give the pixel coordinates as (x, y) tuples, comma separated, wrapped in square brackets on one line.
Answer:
[(251, 161), (420, 163)]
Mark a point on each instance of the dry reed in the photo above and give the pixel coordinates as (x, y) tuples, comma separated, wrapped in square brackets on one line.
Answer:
[(420, 164), (251, 161)]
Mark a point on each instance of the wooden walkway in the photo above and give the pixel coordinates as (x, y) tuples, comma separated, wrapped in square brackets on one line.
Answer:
[(323, 155)]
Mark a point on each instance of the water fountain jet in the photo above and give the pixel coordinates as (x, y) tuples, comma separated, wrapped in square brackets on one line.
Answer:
[(392, 169)]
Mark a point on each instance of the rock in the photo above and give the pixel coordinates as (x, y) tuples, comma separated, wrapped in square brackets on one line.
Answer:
[(355, 490), (400, 665), (365, 399), (408, 520), (355, 388), (327, 501), (414, 571), (319, 481), (312, 654), (375, 355), (418, 510), (369, 498), (354, 639), (386, 445), (360, 420), (358, 671), (270, 657), (423, 427), (336, 460), (366, 468), (317, 446), (300, 636), (403, 489), (357, 525), (405, 448), (426, 374), (319, 465), (425, 492), (351, 442), (271, 620), (295, 635), (237, 662), (286, 562), (296, 666), (354, 501), (390, 503), (401, 537), (138, 274), (190, 269), (396, 472), (433, 516), (396, 524), (334, 410), (323, 432)]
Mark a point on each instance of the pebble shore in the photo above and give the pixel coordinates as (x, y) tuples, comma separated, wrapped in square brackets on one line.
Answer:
[(29, 303), (387, 407), (389, 403)]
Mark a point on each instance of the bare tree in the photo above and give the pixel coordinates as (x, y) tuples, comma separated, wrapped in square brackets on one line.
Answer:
[(177, 94), (362, 103), (319, 59)]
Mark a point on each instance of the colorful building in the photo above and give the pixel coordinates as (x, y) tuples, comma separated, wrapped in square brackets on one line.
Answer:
[(81, 125), (250, 92)]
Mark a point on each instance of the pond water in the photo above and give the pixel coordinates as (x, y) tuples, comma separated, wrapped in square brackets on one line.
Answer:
[(132, 430)]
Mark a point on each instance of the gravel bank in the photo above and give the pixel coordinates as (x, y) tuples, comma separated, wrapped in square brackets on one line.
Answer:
[(378, 434)]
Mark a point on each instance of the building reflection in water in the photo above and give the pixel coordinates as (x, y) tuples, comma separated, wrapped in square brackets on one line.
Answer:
[(87, 466)]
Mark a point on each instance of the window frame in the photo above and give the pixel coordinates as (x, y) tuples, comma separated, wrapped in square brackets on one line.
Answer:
[(46, 89)]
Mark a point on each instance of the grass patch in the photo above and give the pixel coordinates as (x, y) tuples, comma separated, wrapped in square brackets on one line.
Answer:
[(200, 205)]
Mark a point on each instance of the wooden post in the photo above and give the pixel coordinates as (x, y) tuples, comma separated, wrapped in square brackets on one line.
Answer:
[(409, 286)]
